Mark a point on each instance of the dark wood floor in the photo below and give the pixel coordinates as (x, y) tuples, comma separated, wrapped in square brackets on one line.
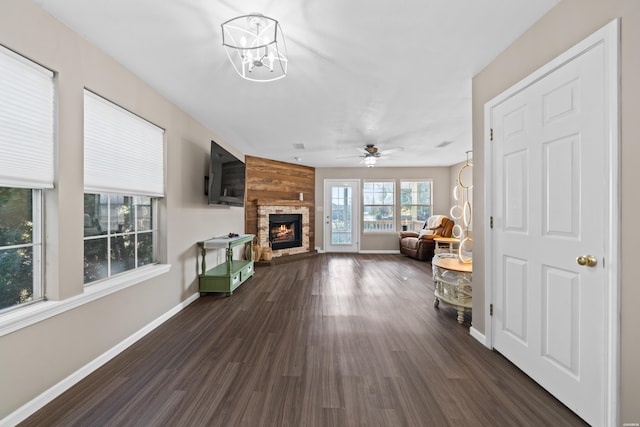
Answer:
[(333, 340)]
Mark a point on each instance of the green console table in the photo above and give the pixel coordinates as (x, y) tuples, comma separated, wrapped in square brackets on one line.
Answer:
[(230, 274)]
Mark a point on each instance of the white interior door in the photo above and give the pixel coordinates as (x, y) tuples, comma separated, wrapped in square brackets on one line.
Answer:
[(550, 207), (341, 210)]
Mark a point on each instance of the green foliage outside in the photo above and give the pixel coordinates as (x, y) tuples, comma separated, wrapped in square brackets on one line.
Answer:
[(16, 264), (415, 202)]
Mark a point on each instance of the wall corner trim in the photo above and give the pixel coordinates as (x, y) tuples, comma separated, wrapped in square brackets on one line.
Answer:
[(479, 336)]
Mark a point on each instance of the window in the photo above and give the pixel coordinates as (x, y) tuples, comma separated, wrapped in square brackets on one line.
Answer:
[(120, 234), (20, 247), (123, 178), (415, 203), (26, 168), (378, 206)]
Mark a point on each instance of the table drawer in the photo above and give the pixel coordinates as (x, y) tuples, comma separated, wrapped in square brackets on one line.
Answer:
[(246, 272)]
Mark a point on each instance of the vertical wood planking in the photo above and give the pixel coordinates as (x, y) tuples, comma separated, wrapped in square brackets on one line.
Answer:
[(272, 180)]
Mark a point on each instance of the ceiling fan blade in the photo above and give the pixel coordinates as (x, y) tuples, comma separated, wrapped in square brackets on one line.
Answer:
[(391, 150), (348, 157)]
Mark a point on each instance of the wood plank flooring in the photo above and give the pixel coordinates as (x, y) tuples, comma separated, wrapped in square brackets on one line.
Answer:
[(332, 340)]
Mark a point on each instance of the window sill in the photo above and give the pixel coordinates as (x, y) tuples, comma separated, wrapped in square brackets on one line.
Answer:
[(38, 312)]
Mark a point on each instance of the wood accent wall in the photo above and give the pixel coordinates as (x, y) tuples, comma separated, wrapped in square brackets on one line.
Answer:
[(270, 180)]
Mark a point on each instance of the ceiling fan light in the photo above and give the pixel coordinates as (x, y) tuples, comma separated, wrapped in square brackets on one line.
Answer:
[(370, 161)]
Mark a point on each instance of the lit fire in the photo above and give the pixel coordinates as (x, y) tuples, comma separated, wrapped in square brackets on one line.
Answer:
[(282, 232)]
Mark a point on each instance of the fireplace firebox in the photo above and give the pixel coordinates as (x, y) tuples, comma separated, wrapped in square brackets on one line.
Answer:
[(285, 231)]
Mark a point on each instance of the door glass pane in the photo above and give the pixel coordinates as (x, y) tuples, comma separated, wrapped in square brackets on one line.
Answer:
[(341, 215)]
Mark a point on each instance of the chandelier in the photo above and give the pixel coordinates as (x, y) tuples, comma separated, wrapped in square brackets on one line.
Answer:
[(463, 211), (255, 46)]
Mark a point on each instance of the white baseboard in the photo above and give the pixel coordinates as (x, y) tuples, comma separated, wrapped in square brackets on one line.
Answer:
[(479, 336), (44, 398)]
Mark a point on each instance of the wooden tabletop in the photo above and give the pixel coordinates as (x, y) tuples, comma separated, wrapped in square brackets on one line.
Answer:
[(223, 241), (450, 263), (446, 239)]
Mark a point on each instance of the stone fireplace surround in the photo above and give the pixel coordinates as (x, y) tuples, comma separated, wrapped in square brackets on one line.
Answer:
[(266, 208)]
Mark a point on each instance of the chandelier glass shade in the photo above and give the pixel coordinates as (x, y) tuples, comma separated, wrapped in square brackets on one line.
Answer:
[(255, 46)]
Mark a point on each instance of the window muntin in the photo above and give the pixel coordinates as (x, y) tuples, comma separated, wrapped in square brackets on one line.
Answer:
[(20, 247), (415, 203), (120, 234), (378, 206)]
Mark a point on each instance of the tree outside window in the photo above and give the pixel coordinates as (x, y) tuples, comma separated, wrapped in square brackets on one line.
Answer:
[(119, 234), (415, 203), (19, 282)]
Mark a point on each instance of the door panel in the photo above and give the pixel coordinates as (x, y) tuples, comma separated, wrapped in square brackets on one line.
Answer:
[(561, 309), (516, 186), (561, 190), (515, 298), (549, 184)]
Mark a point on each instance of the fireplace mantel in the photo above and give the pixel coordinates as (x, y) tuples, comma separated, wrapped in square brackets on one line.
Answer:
[(262, 202)]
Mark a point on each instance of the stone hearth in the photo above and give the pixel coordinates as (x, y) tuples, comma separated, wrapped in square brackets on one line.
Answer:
[(264, 210)]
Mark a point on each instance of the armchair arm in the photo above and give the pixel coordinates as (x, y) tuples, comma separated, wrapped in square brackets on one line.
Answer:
[(428, 237), (408, 234)]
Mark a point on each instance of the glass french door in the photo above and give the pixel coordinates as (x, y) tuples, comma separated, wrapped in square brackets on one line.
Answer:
[(341, 214)]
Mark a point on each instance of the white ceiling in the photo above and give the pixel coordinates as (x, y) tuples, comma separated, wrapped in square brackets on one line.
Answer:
[(394, 74)]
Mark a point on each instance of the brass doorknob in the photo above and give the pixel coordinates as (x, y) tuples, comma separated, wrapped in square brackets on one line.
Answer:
[(588, 260)]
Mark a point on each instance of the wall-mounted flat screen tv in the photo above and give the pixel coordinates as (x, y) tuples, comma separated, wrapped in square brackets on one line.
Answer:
[(226, 181)]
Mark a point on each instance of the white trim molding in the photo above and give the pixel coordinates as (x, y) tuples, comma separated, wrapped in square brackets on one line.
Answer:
[(479, 336)]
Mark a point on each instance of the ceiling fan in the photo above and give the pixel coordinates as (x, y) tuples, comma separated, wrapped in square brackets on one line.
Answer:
[(370, 154)]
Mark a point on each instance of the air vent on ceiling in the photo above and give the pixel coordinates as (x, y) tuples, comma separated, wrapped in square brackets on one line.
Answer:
[(298, 146)]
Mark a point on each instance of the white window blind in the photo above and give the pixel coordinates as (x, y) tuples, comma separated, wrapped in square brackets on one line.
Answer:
[(26, 122), (123, 153)]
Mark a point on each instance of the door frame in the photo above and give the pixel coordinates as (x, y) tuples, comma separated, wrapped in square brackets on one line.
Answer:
[(609, 37), (355, 217)]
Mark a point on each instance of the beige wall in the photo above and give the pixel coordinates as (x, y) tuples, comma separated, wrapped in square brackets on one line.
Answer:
[(565, 25), (37, 357), (441, 190)]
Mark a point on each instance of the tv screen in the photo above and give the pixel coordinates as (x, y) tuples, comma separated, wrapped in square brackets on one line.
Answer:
[(226, 180)]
